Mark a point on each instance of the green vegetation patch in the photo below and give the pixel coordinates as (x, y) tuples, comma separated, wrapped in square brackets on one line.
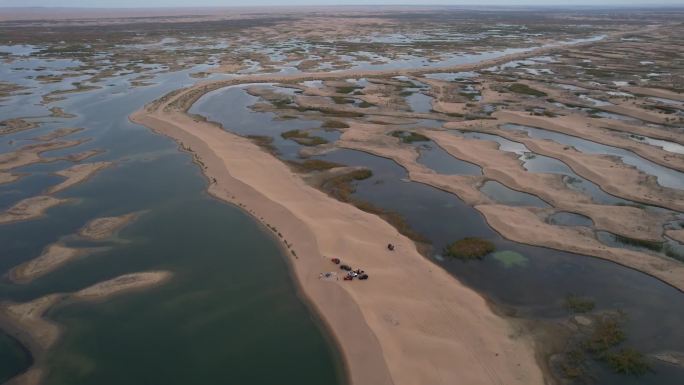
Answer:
[(342, 100), (573, 365), (520, 88), (265, 142), (316, 165), (651, 245), (469, 248), (577, 304), (303, 138), (628, 361), (334, 124), (409, 137), (347, 89), (282, 102), (510, 259), (607, 333)]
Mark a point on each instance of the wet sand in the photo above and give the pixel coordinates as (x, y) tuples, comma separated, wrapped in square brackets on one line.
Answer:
[(53, 257), (103, 228), (77, 174), (6, 177), (30, 208)]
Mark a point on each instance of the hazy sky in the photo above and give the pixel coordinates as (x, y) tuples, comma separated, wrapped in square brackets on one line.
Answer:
[(201, 3)]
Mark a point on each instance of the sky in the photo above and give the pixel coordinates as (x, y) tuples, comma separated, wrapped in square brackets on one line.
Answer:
[(203, 3)]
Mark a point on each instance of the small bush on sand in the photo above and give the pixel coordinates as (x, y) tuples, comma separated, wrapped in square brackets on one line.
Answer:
[(303, 138), (520, 88), (334, 124), (409, 137)]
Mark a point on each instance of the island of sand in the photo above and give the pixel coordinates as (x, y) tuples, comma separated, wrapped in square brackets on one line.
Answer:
[(26, 320)]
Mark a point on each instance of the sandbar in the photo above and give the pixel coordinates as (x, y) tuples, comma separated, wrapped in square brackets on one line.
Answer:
[(77, 174), (30, 208)]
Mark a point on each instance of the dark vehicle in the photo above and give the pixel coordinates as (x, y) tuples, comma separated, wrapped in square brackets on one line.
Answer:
[(363, 276), (348, 278), (336, 261), (345, 267)]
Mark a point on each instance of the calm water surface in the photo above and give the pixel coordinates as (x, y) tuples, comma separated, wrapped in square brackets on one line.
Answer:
[(231, 312)]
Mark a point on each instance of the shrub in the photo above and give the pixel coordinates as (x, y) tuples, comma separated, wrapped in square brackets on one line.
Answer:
[(409, 137), (333, 124), (606, 334), (520, 88), (317, 165), (628, 361)]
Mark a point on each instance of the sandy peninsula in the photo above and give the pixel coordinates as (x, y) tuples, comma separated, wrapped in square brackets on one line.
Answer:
[(412, 323)]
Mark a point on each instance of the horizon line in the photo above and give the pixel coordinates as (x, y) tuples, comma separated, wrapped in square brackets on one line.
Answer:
[(516, 5)]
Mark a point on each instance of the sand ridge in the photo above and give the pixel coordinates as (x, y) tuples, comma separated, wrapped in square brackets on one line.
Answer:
[(446, 333)]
